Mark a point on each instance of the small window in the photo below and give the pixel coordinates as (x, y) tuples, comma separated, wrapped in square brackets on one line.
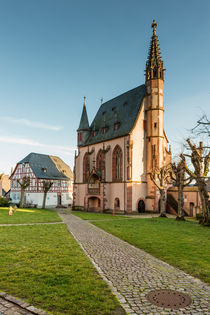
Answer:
[(155, 125), (44, 170), (79, 137), (153, 150), (104, 130), (116, 126)]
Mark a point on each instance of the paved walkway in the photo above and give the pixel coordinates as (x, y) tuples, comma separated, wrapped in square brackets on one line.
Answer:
[(132, 273), (10, 305)]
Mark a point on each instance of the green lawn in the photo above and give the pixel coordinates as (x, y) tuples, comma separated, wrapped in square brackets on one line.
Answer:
[(28, 216), (44, 265), (97, 216), (185, 245)]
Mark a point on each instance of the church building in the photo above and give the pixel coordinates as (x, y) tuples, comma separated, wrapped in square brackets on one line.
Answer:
[(125, 141)]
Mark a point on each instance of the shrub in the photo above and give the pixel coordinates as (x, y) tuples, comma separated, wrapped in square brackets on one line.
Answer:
[(199, 216), (4, 202)]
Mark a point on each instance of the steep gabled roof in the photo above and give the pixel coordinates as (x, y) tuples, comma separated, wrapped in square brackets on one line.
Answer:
[(62, 166), (122, 110), (43, 166)]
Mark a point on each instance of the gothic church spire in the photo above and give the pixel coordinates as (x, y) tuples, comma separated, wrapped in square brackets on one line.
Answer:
[(154, 64), (84, 124)]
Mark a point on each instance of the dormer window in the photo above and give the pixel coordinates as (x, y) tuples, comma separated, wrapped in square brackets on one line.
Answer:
[(94, 133), (103, 113), (44, 170), (116, 125), (104, 129), (113, 108), (125, 103)]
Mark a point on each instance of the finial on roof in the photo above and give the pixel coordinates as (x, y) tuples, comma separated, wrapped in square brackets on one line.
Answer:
[(84, 101), (154, 26), (154, 64)]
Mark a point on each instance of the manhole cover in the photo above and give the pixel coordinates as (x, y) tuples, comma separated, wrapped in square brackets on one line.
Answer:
[(169, 299)]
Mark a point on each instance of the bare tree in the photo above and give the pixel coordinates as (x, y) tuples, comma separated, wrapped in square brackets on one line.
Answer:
[(202, 126), (24, 182), (46, 187), (200, 163), (161, 177), (177, 174)]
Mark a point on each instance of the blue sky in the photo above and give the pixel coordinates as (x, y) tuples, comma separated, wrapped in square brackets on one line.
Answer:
[(53, 52)]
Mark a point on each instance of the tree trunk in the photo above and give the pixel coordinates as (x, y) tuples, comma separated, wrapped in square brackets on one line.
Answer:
[(44, 200), (162, 203), (21, 197), (180, 214), (204, 202)]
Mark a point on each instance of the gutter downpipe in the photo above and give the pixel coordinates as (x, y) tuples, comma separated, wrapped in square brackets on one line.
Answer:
[(124, 179)]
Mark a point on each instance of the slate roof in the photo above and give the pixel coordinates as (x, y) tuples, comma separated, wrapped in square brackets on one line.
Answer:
[(84, 124), (123, 110), (62, 166), (38, 162)]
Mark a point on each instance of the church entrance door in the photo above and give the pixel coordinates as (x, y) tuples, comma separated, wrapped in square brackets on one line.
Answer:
[(93, 204), (141, 206)]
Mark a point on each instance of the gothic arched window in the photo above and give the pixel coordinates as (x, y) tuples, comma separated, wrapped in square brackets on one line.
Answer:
[(117, 164), (86, 167), (100, 164)]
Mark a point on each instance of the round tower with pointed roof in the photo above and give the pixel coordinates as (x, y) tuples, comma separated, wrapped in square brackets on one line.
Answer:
[(83, 130)]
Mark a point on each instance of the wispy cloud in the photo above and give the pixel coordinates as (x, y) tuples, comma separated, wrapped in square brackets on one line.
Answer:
[(30, 123), (30, 142)]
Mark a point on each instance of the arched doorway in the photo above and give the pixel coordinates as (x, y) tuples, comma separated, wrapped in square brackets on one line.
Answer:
[(141, 206), (94, 204), (117, 204), (191, 208)]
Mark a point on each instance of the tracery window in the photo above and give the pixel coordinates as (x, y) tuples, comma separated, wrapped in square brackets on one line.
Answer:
[(100, 164), (86, 167), (117, 164)]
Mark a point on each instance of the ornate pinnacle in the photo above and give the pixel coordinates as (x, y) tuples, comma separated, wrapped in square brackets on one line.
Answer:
[(84, 101), (154, 64), (154, 26)]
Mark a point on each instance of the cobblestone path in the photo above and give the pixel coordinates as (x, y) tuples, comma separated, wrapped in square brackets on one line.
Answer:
[(132, 273), (9, 305)]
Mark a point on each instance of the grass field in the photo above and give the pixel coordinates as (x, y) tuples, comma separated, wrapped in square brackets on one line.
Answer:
[(28, 216), (44, 265), (185, 245), (97, 216)]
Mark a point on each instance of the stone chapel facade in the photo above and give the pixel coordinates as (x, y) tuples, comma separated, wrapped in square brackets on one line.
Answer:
[(125, 141)]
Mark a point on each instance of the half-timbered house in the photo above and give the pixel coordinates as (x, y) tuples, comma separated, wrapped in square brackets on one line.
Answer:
[(42, 168)]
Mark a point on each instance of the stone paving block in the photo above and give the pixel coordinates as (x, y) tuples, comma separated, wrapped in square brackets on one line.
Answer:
[(130, 270)]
